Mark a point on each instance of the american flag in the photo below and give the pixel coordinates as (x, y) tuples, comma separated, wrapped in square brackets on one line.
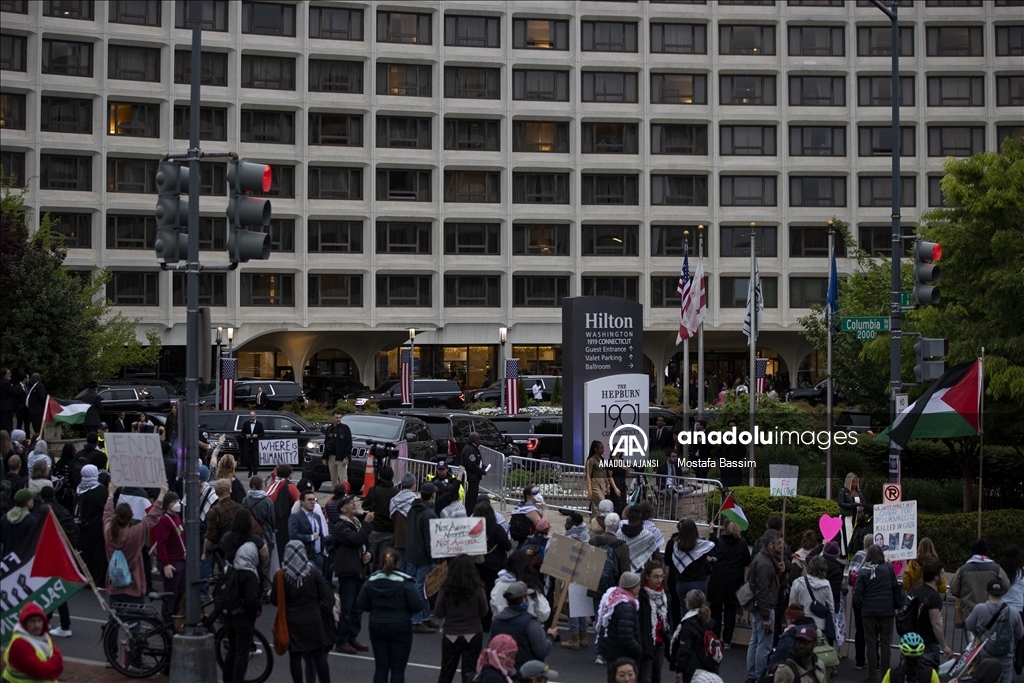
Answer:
[(227, 383), (511, 386), (406, 377), (693, 298), (761, 375)]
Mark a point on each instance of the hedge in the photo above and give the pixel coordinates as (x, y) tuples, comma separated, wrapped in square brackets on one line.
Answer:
[(951, 533)]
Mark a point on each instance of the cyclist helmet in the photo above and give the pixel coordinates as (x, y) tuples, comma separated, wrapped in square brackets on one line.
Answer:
[(911, 645)]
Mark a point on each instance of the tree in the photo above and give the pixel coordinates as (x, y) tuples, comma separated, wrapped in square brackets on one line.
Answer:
[(55, 322)]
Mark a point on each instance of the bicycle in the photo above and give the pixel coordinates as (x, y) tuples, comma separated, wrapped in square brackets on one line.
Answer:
[(137, 643)]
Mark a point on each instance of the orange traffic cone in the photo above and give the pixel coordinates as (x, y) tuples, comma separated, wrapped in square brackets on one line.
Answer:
[(368, 478)]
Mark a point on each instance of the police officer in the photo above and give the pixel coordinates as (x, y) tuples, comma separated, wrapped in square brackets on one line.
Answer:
[(472, 463), (337, 450)]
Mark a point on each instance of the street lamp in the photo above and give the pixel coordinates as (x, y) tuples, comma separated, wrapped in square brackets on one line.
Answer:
[(412, 367), (220, 339), (231, 342), (502, 337)]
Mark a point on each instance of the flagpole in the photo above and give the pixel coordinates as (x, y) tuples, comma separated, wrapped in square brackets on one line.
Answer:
[(751, 386), (981, 435), (828, 381), (700, 333), (686, 390)]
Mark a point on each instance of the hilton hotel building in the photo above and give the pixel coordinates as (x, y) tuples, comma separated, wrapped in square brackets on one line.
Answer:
[(459, 166)]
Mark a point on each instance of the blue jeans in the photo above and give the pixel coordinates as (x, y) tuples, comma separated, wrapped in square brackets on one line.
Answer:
[(577, 625), (760, 644), (421, 571), (392, 644), (350, 620), (684, 587)]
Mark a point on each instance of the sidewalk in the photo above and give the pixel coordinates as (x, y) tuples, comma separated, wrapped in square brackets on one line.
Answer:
[(85, 671)]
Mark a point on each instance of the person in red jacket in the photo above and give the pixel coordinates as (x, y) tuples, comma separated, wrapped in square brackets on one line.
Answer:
[(169, 538), (31, 655)]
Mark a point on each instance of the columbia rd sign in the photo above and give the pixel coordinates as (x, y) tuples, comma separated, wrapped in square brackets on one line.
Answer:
[(866, 328)]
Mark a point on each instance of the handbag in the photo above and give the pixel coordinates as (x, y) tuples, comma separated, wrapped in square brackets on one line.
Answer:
[(280, 630), (817, 609), (745, 597)]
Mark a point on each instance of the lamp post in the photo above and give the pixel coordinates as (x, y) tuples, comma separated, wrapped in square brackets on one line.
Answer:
[(412, 367), (216, 390), (231, 343), (502, 337)]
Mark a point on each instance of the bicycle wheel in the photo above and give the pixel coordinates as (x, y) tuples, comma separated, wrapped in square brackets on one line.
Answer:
[(139, 649), (261, 656)]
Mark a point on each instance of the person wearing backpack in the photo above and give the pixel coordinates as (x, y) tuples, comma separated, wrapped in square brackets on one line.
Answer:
[(126, 574), (524, 516), (617, 560), (802, 666), (518, 568), (914, 667), (926, 605), (686, 649), (689, 561), (515, 620), (995, 617), (878, 594), (259, 505)]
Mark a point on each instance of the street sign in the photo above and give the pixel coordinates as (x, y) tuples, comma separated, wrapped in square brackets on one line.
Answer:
[(866, 327), (905, 299), (892, 493), (901, 403)]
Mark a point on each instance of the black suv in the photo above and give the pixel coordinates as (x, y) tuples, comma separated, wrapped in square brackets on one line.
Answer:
[(393, 429), (276, 425), (534, 436), (329, 390), (493, 392), (279, 393), (451, 430), (132, 399), (427, 393)]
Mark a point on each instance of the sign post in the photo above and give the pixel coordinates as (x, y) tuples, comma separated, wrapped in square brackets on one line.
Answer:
[(782, 482), (866, 327)]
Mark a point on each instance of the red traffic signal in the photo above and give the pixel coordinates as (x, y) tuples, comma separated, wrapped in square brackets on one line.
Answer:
[(246, 176)]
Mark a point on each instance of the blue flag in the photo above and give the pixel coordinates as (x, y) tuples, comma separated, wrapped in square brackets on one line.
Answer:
[(832, 300)]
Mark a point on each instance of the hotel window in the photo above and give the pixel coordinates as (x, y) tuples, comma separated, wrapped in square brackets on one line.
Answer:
[(135, 12), (130, 232), (744, 90), (665, 292), (212, 233), (876, 240), (736, 241), (749, 191), (65, 115), (621, 287), (936, 197), (817, 91), (540, 136), (682, 39), (75, 227), (876, 91), (540, 239), (213, 179), (472, 83), (817, 191), (876, 41), (956, 91), (65, 172), (268, 73), (129, 119), (13, 51), (268, 19), (463, 31), (335, 23), (472, 291), (410, 80), (610, 240), (472, 238), (679, 89), (609, 86), (340, 130), (536, 291), (609, 138), (537, 84), (736, 289), (954, 41), (282, 235), (748, 141), (877, 191), (213, 14), (133, 289), (953, 3), (213, 289), (955, 141), (213, 123), (267, 289), (817, 41), (877, 141), (335, 182), (668, 240), (401, 185), (268, 126), (134, 64), (482, 135), (66, 58), (131, 175), (403, 291), (681, 139), (403, 132), (282, 183), (816, 3), (403, 28), (12, 168), (807, 291), (334, 237), (817, 141), (603, 188), (472, 187), (1003, 132), (608, 36), (679, 190), (812, 242), (746, 40), (1010, 41), (540, 34), (14, 6), (213, 68), (1010, 91), (69, 9), (336, 76), (12, 111), (540, 188), (335, 290)]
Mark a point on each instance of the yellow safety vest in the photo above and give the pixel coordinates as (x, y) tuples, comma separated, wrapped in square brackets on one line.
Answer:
[(12, 675), (462, 489)]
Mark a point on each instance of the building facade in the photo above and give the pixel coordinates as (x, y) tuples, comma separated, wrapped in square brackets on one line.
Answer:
[(460, 166)]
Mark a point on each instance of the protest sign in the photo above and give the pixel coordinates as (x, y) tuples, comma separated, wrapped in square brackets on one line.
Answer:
[(457, 536), (279, 452), (573, 561), (435, 579), (895, 528), (135, 460), (782, 480)]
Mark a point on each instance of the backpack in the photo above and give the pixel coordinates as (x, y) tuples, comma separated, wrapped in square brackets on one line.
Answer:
[(922, 673), (520, 527), (907, 615), (118, 571), (610, 570), (768, 675), (534, 547), (1001, 642), (227, 596), (711, 652)]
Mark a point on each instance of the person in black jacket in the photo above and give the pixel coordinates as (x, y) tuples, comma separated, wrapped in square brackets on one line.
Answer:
[(498, 547), (618, 621), (418, 560), (463, 605), (378, 501), (46, 501), (473, 463), (654, 621), (515, 620), (351, 560), (240, 626), (337, 449), (9, 396), (689, 559), (878, 595), (687, 644), (732, 556), (249, 442), (35, 401)]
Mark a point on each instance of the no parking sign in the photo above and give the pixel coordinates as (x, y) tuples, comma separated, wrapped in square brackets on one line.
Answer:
[(892, 493)]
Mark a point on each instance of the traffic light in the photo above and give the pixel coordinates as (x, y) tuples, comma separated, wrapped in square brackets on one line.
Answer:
[(927, 350), (926, 272), (245, 211), (171, 212)]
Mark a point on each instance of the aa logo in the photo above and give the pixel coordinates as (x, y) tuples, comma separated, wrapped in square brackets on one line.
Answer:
[(628, 441)]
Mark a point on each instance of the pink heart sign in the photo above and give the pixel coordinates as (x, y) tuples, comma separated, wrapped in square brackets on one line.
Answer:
[(829, 527)]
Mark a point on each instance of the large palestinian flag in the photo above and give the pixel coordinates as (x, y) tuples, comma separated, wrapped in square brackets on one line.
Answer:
[(950, 408), (42, 570), (72, 412)]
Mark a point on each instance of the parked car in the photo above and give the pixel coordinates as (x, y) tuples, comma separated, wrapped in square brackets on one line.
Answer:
[(280, 393), (451, 430), (535, 436), (392, 429), (132, 399), (856, 420), (329, 389), (493, 392), (427, 393), (276, 425), (816, 394)]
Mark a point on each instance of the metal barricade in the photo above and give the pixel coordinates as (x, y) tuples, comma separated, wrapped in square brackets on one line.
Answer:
[(676, 498), (418, 468), (494, 462), (563, 486)]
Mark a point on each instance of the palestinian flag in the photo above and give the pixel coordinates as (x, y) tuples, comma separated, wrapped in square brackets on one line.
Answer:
[(42, 569), (72, 412), (950, 408), (732, 510)]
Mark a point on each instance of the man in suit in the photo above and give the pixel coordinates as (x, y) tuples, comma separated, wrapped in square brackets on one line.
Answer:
[(252, 432), (661, 436), (304, 525), (118, 424), (22, 412), (261, 399), (35, 401), (8, 401)]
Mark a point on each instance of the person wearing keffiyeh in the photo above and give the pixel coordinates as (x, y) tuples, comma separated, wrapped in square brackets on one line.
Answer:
[(654, 622), (308, 602), (240, 626), (497, 661), (618, 621), (641, 542)]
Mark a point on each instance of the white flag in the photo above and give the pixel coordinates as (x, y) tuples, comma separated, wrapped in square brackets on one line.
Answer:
[(695, 306), (755, 301)]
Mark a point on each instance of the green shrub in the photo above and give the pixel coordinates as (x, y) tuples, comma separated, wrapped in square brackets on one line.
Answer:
[(671, 395), (556, 392), (519, 479), (477, 405), (802, 512), (346, 407)]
